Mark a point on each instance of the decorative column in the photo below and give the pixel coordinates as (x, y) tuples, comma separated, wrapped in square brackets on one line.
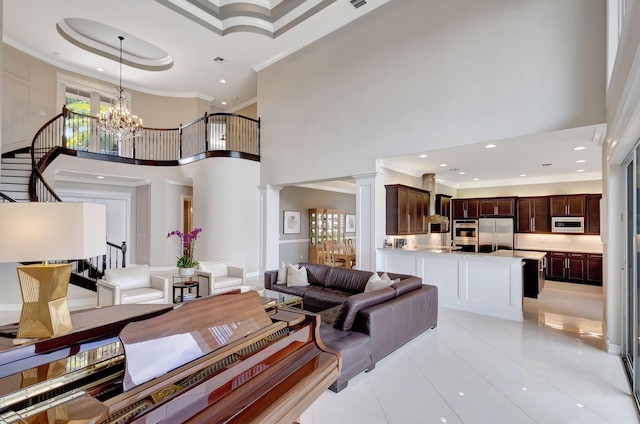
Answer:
[(365, 221), (269, 228)]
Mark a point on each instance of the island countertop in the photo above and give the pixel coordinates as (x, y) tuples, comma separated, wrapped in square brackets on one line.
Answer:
[(476, 282)]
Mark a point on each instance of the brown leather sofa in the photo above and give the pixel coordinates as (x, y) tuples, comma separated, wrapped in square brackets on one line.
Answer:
[(363, 327)]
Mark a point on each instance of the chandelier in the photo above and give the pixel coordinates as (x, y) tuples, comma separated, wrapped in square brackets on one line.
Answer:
[(117, 121)]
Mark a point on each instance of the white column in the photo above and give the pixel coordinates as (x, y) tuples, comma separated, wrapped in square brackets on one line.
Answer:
[(269, 228), (365, 221), (612, 232)]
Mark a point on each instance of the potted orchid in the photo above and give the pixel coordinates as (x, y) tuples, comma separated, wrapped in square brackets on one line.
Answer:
[(186, 263)]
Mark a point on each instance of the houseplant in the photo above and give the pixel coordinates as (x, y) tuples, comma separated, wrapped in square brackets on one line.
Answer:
[(186, 263)]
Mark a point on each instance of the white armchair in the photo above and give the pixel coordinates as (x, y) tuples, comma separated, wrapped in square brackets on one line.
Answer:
[(219, 277), (135, 284)]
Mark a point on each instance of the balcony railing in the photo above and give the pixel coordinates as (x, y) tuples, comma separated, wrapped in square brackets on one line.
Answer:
[(78, 134)]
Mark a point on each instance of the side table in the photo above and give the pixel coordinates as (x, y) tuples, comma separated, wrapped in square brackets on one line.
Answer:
[(185, 283)]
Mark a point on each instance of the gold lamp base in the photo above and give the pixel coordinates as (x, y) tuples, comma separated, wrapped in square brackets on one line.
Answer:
[(45, 311)]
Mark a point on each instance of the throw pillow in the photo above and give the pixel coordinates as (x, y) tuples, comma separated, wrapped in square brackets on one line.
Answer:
[(296, 277), (282, 274), (374, 277), (385, 276), (377, 285)]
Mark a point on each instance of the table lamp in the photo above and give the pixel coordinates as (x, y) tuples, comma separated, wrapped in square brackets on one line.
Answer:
[(40, 231)]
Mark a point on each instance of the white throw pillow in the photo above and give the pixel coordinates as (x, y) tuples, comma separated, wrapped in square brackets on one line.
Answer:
[(296, 277), (282, 274), (377, 282), (374, 277), (377, 285)]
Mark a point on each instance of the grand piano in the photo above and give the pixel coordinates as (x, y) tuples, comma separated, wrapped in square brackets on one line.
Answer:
[(219, 359)]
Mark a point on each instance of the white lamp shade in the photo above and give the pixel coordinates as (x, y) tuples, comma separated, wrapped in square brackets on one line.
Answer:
[(40, 231)]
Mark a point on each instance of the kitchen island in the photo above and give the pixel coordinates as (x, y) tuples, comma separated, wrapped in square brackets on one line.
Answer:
[(482, 283)]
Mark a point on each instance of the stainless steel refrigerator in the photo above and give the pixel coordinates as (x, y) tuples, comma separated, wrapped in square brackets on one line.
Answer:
[(495, 234)]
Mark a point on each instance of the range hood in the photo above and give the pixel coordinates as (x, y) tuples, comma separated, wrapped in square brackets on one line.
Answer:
[(429, 184)]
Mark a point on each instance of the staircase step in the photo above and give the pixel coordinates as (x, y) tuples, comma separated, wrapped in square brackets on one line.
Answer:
[(8, 172), (18, 196), (12, 179), (7, 187), (26, 160)]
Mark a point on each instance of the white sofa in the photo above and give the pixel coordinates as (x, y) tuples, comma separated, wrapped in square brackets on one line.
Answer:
[(219, 277), (134, 284)]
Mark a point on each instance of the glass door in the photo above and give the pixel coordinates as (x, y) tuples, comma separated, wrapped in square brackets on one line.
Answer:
[(632, 284)]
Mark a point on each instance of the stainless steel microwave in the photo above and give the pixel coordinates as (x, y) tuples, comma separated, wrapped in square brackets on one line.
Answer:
[(567, 224)]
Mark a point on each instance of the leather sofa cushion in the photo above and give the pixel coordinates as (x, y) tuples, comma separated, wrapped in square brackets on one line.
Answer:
[(354, 347), (316, 273), (407, 285), (294, 290), (353, 304), (320, 298), (349, 280)]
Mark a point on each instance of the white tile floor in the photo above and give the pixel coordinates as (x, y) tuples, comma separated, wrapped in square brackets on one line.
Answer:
[(475, 369), (550, 369)]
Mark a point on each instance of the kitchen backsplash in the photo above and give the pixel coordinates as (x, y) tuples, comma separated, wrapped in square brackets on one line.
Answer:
[(558, 242)]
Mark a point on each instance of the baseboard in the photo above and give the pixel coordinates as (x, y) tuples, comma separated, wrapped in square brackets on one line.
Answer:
[(614, 349)]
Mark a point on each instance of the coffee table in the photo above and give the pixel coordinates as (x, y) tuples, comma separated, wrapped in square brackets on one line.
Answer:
[(272, 300)]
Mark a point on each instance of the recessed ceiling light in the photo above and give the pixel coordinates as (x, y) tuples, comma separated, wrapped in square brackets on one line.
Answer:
[(579, 170), (218, 59), (490, 146), (581, 161), (523, 175), (579, 148), (422, 156), (461, 173), (223, 81), (545, 164), (443, 164), (100, 69), (224, 103), (476, 179), (100, 177)]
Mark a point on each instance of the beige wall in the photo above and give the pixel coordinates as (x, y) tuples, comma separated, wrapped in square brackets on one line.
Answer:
[(420, 75), (576, 187), (30, 99), (251, 111), (166, 112)]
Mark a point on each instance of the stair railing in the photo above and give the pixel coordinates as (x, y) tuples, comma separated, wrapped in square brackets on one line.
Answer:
[(5, 199), (79, 135)]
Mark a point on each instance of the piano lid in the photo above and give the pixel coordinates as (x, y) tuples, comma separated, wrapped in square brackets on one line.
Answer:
[(190, 331)]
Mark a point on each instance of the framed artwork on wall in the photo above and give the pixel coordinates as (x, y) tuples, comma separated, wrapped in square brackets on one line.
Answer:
[(350, 224), (291, 224)]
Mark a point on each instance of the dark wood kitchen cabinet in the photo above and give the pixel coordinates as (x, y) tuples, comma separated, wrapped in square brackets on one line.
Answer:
[(407, 209), (533, 215), (443, 208), (592, 218), (465, 208), (570, 205), (575, 267), (501, 206), (594, 268)]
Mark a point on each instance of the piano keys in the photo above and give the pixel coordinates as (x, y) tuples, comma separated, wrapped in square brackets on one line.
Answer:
[(216, 359)]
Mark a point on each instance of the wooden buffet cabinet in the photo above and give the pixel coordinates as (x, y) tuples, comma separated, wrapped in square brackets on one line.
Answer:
[(324, 225)]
